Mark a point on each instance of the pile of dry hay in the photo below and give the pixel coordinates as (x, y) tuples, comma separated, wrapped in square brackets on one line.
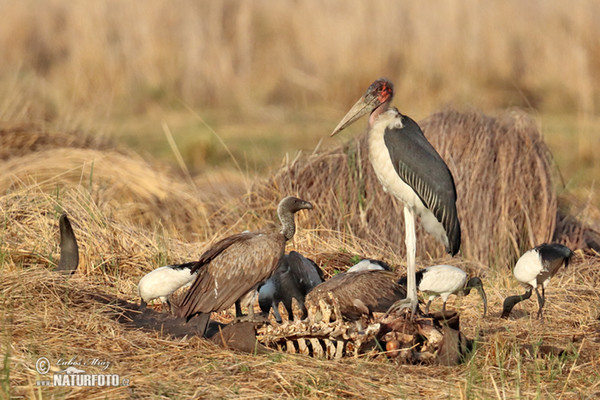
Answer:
[(503, 173)]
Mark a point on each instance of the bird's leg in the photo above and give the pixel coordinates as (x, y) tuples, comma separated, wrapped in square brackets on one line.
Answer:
[(168, 303), (444, 306), (143, 304), (427, 306), (276, 313), (541, 301), (238, 309), (411, 249)]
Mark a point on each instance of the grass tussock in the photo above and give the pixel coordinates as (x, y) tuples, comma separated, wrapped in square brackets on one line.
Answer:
[(503, 175)]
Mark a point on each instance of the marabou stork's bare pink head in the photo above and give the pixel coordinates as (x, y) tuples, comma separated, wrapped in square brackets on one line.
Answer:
[(379, 94)]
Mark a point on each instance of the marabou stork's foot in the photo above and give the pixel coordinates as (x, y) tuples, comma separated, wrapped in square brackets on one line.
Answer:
[(404, 304)]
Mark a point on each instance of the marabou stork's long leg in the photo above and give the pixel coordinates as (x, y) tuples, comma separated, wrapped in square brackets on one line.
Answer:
[(411, 249)]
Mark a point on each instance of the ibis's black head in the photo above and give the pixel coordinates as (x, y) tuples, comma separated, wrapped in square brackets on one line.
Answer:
[(379, 93), (511, 301), (475, 283)]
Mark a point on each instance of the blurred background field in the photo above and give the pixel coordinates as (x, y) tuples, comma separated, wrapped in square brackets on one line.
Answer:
[(162, 126), (271, 78)]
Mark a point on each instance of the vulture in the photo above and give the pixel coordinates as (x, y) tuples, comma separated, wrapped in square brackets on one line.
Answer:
[(359, 293), (295, 276), (237, 264)]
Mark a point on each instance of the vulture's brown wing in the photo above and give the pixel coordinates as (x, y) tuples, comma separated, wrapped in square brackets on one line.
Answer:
[(232, 271), (377, 290)]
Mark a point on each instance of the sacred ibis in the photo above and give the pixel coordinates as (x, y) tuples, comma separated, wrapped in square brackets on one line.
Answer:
[(163, 281), (534, 269), (239, 263), (444, 280), (408, 167), (369, 264)]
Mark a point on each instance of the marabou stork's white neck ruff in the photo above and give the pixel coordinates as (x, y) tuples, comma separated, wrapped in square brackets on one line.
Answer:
[(444, 280), (534, 269), (410, 169)]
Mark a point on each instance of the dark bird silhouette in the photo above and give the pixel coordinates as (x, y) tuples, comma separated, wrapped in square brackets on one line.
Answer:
[(409, 168), (237, 264), (534, 269), (69, 251), (359, 293), (295, 276)]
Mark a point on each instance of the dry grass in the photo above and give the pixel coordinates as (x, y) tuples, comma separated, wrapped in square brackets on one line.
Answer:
[(45, 315)]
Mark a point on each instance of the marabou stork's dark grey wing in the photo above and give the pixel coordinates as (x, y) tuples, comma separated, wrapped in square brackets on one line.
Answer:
[(421, 167), (238, 265), (553, 255)]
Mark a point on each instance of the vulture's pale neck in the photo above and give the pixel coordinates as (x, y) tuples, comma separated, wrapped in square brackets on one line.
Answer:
[(288, 226)]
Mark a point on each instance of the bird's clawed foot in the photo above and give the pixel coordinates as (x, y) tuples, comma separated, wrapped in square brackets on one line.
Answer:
[(404, 304)]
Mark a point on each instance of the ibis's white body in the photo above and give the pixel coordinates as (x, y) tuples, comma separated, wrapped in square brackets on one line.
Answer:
[(530, 270), (442, 281), (163, 281), (365, 265), (379, 156)]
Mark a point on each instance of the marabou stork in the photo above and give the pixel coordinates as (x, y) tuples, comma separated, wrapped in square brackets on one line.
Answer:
[(368, 264), (237, 264), (69, 251), (535, 268), (359, 293), (409, 168), (163, 281), (295, 276), (444, 280)]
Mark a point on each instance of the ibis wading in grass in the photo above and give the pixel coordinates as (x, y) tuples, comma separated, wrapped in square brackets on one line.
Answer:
[(163, 281), (409, 168), (535, 268), (237, 264), (444, 280)]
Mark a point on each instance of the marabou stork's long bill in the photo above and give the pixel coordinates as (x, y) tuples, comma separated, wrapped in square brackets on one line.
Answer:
[(409, 168), (535, 268), (238, 264)]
